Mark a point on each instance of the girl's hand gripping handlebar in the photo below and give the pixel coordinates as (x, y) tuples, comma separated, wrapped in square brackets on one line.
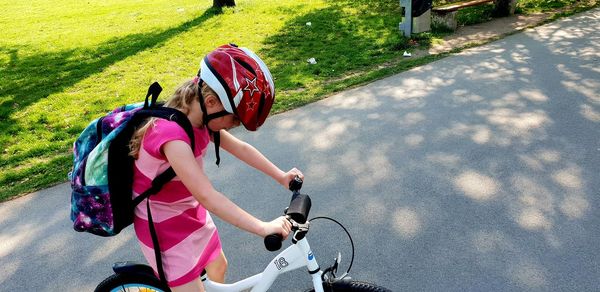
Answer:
[(297, 213)]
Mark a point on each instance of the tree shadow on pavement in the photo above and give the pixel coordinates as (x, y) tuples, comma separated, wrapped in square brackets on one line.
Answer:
[(477, 172)]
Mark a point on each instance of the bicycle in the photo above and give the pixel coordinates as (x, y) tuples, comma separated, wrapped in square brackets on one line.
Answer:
[(131, 276)]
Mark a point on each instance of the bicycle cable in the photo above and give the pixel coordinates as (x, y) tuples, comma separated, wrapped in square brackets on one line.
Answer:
[(349, 237)]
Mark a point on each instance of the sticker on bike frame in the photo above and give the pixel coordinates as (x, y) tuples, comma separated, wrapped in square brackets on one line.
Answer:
[(281, 263), (310, 255)]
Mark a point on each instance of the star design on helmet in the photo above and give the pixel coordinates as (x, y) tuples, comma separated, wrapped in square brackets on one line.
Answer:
[(251, 86), (250, 105)]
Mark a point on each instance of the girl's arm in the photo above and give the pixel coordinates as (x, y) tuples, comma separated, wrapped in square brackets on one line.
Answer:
[(180, 156), (251, 156)]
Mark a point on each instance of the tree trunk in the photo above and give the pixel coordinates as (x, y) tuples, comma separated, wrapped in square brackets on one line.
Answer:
[(501, 8), (221, 3)]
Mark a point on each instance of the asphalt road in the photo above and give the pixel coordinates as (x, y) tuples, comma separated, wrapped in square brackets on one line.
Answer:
[(479, 172)]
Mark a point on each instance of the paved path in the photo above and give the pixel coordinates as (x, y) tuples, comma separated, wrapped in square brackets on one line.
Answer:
[(479, 172)]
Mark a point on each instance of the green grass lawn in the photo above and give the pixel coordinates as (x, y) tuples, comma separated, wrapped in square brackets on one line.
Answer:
[(64, 63)]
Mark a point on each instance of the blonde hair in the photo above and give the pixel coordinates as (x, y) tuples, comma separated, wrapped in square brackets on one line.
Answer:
[(182, 99)]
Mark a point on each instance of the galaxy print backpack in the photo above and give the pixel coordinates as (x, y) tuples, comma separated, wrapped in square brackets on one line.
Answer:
[(102, 174)]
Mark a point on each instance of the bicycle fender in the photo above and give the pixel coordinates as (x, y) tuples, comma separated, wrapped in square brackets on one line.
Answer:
[(133, 268)]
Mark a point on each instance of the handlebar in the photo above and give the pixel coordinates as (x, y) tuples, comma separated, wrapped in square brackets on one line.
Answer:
[(297, 212), (295, 184), (273, 242)]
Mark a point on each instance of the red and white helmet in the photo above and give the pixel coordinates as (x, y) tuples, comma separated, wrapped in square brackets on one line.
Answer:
[(242, 81)]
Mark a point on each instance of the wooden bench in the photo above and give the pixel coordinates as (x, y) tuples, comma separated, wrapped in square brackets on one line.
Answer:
[(445, 15)]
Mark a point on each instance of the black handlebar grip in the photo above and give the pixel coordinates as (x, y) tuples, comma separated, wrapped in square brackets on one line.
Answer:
[(273, 242), (296, 184)]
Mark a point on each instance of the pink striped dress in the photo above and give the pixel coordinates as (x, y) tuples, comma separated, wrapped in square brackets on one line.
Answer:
[(187, 235)]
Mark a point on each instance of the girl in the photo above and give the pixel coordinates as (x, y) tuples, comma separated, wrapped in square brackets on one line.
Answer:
[(233, 86)]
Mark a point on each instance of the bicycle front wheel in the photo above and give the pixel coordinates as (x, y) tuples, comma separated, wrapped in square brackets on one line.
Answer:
[(130, 283), (352, 285)]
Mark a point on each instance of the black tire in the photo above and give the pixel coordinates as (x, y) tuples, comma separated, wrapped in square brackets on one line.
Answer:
[(130, 282), (351, 285)]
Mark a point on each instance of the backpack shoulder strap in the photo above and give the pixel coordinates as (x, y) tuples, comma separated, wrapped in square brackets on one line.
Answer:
[(169, 114), (154, 90), (182, 120)]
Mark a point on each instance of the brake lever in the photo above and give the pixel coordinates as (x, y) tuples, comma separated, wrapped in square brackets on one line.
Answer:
[(333, 269), (300, 230)]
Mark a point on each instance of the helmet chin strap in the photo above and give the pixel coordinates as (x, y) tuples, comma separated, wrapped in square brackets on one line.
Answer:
[(207, 118)]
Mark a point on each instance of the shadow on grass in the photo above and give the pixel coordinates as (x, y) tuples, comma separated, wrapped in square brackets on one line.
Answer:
[(32, 78), (26, 80), (358, 41)]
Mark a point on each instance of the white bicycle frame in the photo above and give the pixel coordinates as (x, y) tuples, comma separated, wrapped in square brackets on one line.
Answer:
[(294, 257)]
